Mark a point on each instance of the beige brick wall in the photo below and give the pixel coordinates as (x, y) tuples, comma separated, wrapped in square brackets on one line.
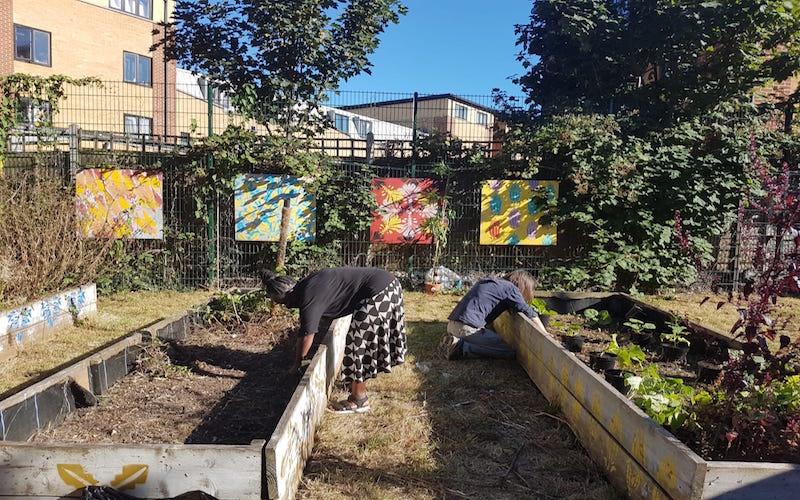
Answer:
[(6, 37), (88, 39)]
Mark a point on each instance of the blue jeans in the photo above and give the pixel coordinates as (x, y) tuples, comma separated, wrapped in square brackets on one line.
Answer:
[(480, 342)]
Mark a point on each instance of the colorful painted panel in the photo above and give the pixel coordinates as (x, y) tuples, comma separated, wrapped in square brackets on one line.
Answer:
[(403, 204), (258, 204), (119, 204), (511, 212)]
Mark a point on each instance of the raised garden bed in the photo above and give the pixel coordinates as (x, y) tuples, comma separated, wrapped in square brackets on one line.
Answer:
[(35, 321), (227, 452), (640, 456)]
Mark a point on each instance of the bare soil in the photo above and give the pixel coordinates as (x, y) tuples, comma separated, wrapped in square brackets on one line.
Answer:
[(598, 340), (222, 385)]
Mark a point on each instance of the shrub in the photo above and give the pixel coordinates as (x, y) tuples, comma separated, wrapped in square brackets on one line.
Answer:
[(39, 250)]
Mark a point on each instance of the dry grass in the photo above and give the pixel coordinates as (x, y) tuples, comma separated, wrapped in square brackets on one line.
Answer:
[(117, 315), (450, 429), (39, 252), (720, 314)]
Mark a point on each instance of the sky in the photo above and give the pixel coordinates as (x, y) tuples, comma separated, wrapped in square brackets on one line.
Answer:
[(464, 47)]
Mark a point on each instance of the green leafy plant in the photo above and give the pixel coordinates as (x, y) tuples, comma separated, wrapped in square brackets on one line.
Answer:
[(629, 358), (638, 326), (540, 307), (597, 319), (234, 306), (666, 400), (438, 226), (40, 90), (677, 335)]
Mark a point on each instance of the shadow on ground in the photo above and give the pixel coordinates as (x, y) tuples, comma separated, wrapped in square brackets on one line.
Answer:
[(492, 435)]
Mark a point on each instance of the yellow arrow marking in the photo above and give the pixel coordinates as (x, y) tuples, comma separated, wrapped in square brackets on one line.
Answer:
[(74, 475), (131, 476)]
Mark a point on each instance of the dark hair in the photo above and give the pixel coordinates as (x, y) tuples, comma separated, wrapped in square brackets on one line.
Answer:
[(276, 285), (524, 281)]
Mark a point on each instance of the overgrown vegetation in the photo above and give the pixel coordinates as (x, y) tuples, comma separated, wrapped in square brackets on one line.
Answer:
[(39, 252), (755, 412), (636, 135)]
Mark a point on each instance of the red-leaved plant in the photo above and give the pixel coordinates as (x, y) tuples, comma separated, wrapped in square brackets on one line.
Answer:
[(755, 415)]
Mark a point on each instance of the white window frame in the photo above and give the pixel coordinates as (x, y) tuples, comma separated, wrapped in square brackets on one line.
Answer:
[(461, 112), (139, 8), (482, 118), (33, 42), (341, 123), (138, 79), (143, 125), (33, 113), (363, 127)]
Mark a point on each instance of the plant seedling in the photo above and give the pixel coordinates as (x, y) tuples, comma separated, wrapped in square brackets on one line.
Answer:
[(678, 333), (597, 319), (638, 326), (627, 357)]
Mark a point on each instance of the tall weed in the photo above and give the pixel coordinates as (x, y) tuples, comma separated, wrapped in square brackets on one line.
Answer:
[(40, 251)]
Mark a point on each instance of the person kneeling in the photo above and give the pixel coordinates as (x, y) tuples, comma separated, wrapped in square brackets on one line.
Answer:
[(468, 332)]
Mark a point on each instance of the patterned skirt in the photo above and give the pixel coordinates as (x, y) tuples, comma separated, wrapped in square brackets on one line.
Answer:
[(376, 340)]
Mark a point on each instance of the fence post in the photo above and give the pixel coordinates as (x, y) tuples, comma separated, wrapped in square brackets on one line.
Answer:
[(211, 206), (414, 137), (74, 150), (370, 145)]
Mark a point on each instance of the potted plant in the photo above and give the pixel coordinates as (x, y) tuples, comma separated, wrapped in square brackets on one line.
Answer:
[(573, 342), (641, 331), (597, 319), (539, 306), (607, 359), (629, 358), (675, 344), (437, 226)]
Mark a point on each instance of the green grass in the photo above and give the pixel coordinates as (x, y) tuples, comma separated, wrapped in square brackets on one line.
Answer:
[(117, 315)]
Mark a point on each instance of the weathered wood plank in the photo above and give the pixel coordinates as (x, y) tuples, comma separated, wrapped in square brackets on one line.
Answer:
[(290, 446), (752, 481), (35, 321), (567, 381), (149, 471)]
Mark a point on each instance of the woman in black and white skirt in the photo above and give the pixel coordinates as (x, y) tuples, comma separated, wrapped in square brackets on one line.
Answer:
[(376, 340)]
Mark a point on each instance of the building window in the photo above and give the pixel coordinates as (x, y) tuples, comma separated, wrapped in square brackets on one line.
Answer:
[(482, 118), (218, 97), (363, 127), (31, 45), (461, 112), (184, 139), (137, 69), (138, 125), (341, 123), (141, 8), (33, 113)]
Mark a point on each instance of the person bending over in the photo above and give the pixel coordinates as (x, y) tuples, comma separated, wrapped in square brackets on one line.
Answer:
[(468, 328), (376, 340)]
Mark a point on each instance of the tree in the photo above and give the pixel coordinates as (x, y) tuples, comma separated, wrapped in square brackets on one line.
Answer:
[(666, 59), (278, 57)]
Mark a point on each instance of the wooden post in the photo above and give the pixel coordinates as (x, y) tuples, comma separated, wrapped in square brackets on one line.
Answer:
[(287, 203)]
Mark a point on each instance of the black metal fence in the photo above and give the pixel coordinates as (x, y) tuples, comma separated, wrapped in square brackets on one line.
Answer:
[(124, 126)]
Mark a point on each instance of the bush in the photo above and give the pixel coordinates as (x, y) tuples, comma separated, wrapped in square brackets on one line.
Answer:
[(39, 250)]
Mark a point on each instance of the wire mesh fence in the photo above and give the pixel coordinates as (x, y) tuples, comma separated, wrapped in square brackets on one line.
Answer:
[(115, 115), (368, 134)]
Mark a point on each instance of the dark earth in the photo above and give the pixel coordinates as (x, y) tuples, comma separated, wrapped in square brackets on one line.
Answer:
[(225, 384)]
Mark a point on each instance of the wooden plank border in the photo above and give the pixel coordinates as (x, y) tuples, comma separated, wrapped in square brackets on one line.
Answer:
[(35, 321), (640, 456), (260, 470)]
